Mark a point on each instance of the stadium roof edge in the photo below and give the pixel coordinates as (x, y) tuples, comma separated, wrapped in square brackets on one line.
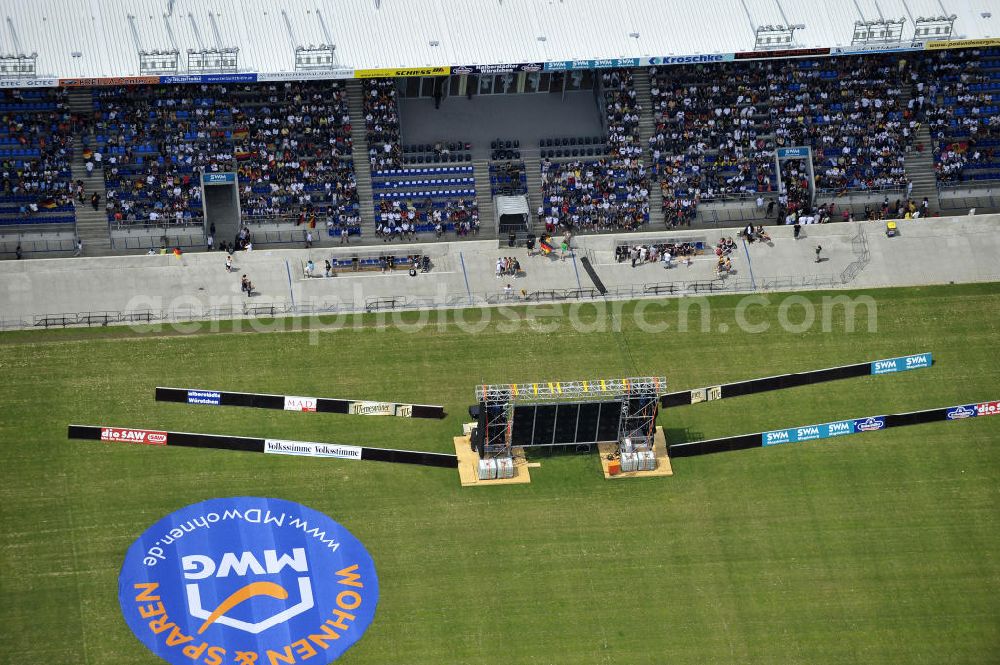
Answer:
[(289, 39)]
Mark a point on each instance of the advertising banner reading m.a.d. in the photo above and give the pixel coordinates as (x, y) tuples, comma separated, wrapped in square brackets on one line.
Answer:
[(248, 580)]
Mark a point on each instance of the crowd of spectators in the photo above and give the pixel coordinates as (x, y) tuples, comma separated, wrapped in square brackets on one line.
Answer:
[(717, 126), (664, 253), (507, 266), (437, 210), (622, 113), (609, 193), (958, 94), (594, 196), (403, 219), (289, 142), (151, 142), (796, 196), (36, 150), (382, 124)]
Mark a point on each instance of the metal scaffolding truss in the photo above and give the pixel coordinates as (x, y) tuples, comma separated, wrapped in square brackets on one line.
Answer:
[(638, 423), (553, 391), (499, 427)]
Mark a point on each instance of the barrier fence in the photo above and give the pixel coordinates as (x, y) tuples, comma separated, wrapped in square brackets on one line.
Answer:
[(833, 429), (148, 437), (297, 403), (765, 384)]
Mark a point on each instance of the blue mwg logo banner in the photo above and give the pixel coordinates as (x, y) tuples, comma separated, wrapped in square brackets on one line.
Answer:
[(204, 397), (901, 364), (248, 581)]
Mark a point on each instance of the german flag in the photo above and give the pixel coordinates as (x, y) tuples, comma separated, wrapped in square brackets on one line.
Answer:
[(546, 246), (48, 204), (177, 251)]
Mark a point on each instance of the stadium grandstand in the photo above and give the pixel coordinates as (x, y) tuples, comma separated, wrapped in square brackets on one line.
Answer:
[(139, 125)]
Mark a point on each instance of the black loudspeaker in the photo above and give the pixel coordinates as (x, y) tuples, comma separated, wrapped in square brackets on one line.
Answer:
[(477, 440), (524, 421), (474, 412), (566, 423), (545, 424), (611, 415), (586, 428), (480, 420)]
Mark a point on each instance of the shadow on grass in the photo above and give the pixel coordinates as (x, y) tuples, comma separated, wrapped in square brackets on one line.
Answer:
[(681, 435)]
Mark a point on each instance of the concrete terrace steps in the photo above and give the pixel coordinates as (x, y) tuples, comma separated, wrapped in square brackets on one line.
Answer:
[(920, 169), (81, 101), (91, 225), (359, 150), (484, 196), (533, 170), (919, 166), (643, 86)]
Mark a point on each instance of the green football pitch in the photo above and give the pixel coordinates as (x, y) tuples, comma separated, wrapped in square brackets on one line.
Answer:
[(876, 548)]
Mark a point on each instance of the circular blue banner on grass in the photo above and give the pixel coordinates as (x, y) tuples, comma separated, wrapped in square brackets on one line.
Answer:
[(248, 581)]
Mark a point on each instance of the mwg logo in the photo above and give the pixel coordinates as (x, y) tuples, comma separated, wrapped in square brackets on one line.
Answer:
[(248, 580), (200, 566)]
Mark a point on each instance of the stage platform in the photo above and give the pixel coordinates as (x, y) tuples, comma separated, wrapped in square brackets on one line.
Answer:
[(468, 466), (663, 467)]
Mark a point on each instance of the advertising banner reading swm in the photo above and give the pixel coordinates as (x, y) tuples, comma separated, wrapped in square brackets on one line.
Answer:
[(248, 581), (902, 364)]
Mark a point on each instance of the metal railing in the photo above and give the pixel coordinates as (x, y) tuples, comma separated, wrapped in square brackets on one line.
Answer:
[(40, 246), (164, 225), (279, 308), (848, 192), (151, 241), (971, 196), (971, 185), (187, 241)]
